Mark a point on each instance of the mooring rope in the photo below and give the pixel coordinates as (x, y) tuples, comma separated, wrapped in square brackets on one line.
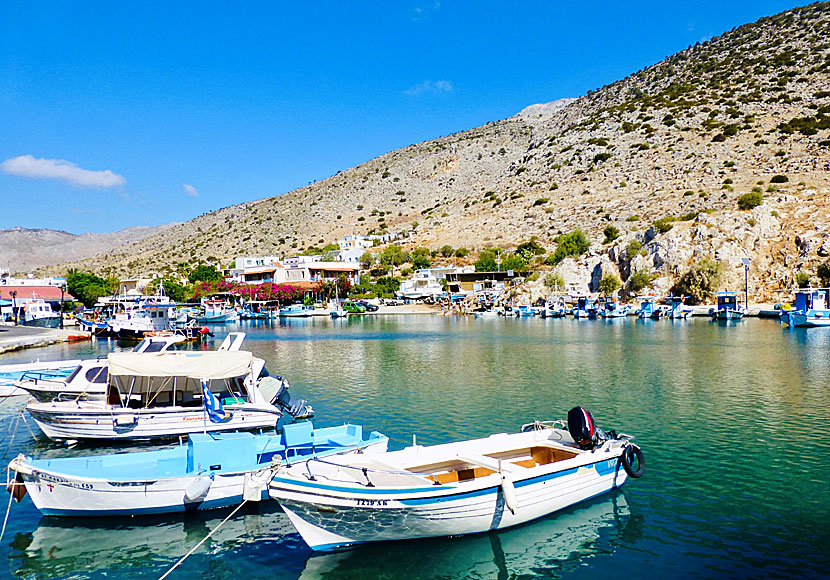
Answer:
[(8, 509), (203, 540), (14, 431)]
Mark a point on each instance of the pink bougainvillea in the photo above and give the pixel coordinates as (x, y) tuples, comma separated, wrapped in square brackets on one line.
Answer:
[(285, 293)]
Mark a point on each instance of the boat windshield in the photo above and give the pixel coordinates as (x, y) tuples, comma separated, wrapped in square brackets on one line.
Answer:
[(73, 374)]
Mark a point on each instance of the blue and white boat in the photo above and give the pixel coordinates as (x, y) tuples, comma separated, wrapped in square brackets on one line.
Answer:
[(210, 470), (454, 489), (39, 313), (649, 308), (812, 308), (296, 311), (12, 374), (729, 307), (677, 310), (554, 308), (215, 312), (613, 309), (585, 308)]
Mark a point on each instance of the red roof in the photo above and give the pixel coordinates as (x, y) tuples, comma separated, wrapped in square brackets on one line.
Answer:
[(49, 293)]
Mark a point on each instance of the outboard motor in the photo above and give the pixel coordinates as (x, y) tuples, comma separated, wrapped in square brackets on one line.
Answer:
[(297, 408), (582, 428)]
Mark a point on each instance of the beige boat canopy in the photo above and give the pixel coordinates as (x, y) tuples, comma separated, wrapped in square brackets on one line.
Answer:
[(175, 378), (195, 365)]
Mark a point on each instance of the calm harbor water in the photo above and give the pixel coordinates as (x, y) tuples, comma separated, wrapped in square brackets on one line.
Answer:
[(733, 421)]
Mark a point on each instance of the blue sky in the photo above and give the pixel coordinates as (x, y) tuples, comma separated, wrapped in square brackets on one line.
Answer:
[(120, 114)]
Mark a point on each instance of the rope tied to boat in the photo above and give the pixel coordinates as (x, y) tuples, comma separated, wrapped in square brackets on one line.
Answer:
[(202, 541)]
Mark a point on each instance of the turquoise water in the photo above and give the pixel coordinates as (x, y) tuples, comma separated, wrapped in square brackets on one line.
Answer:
[(733, 421)]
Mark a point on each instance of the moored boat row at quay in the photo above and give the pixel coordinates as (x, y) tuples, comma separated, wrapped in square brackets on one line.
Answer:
[(242, 438)]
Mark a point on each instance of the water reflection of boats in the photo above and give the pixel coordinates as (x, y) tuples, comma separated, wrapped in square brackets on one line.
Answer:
[(57, 547), (561, 542)]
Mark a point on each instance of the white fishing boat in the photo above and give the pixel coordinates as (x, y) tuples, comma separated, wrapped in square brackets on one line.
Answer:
[(215, 312), (210, 470), (169, 394), (296, 311), (729, 307), (457, 488), (39, 313)]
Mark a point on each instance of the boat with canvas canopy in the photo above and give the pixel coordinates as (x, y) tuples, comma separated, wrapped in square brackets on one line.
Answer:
[(168, 394), (210, 470), (457, 488)]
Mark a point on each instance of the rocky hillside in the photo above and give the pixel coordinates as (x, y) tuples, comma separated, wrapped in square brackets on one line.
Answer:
[(677, 143), (23, 250)]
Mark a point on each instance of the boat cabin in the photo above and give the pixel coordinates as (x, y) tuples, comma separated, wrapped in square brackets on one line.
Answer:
[(174, 379), (812, 299), (728, 301)]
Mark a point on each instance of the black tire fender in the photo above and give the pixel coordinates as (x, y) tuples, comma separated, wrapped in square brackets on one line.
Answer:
[(629, 453)]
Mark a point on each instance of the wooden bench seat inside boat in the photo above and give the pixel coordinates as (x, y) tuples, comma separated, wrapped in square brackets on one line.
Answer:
[(534, 456)]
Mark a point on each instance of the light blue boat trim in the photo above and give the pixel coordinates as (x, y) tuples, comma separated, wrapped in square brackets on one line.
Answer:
[(606, 470), (182, 507)]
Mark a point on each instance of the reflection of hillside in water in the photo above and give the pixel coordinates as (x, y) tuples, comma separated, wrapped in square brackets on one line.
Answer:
[(557, 543), (69, 546)]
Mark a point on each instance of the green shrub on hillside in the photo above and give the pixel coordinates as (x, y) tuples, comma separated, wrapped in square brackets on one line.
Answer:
[(779, 179), (609, 284), (638, 280), (611, 233), (750, 200), (632, 249), (700, 282), (575, 243), (664, 224)]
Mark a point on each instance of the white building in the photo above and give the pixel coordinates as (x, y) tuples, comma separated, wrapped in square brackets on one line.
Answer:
[(250, 270), (353, 247)]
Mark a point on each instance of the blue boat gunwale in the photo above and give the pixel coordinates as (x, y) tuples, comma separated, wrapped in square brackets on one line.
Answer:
[(359, 488), (325, 441)]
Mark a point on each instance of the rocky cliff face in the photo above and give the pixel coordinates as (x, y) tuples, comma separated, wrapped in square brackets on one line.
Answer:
[(681, 140)]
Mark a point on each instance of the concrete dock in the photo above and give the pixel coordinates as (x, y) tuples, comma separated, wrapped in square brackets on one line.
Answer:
[(19, 337)]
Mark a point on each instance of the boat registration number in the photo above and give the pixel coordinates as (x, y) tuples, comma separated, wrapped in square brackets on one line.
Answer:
[(372, 502), (52, 480)]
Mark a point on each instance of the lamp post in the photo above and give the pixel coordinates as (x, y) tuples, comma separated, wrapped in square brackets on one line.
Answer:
[(746, 262), (14, 305), (63, 289)]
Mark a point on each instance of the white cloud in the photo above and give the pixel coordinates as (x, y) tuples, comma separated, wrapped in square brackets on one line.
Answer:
[(433, 87), (424, 11), (189, 190), (29, 166)]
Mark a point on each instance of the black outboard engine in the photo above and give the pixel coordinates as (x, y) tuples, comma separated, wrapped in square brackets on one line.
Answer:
[(297, 408), (582, 428)]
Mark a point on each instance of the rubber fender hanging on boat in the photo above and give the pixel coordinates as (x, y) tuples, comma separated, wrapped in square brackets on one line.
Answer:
[(628, 454), (509, 492), (198, 489)]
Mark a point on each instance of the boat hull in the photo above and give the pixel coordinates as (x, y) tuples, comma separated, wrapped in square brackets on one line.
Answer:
[(802, 320), (64, 421), (45, 322), (331, 522), (59, 494), (445, 490)]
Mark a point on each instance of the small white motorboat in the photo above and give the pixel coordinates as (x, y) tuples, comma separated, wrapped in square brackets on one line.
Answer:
[(457, 488), (79, 379), (12, 374), (210, 470), (296, 311)]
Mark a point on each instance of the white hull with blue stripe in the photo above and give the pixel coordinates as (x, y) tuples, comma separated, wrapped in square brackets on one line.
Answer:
[(209, 471), (445, 490)]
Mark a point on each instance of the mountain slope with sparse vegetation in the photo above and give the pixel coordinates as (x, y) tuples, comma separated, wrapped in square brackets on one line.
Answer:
[(720, 151)]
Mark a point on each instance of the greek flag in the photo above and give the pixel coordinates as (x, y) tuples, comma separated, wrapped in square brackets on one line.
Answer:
[(213, 407)]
